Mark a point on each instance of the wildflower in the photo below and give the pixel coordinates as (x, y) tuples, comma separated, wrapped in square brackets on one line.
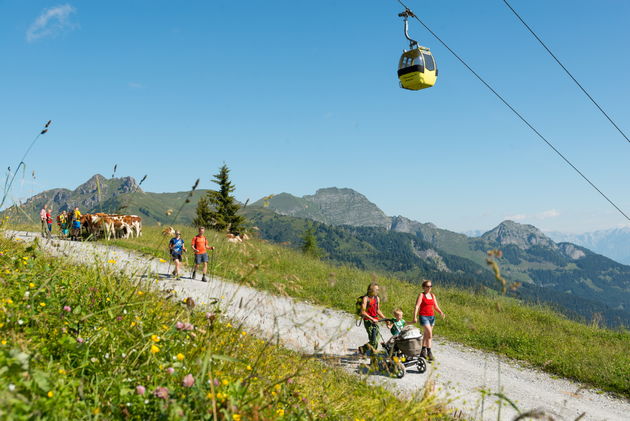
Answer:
[(3, 342), (162, 261), (31, 285), (179, 325), (155, 338), (225, 382), (112, 261), (280, 412), (62, 371), (180, 357), (236, 417), (249, 367), (67, 309), (140, 390), (11, 387), (210, 395), (9, 301), (243, 333), (290, 380), (278, 387), (161, 392), (96, 411), (140, 292), (80, 340), (133, 324), (188, 380), (154, 349), (51, 394), (170, 370)]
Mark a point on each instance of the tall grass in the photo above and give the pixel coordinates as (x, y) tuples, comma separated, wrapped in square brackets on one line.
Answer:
[(533, 334), (87, 343)]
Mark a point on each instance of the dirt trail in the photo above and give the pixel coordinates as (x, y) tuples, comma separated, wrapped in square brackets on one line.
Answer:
[(459, 373)]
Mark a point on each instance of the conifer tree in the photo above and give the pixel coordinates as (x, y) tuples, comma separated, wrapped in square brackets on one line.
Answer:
[(218, 210), (309, 243)]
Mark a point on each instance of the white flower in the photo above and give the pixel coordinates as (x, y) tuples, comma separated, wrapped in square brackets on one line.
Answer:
[(11, 387), (20, 322)]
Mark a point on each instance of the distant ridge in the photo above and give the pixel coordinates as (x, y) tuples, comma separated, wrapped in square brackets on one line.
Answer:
[(111, 195)]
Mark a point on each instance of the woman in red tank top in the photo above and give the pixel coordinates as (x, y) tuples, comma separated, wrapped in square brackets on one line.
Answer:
[(426, 305)]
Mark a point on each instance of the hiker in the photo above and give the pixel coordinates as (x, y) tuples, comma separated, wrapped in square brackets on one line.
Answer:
[(176, 247), (76, 223), (62, 221), (42, 218), (49, 221), (370, 310), (200, 246), (426, 304)]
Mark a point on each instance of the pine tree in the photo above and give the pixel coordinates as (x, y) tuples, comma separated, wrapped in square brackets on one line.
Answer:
[(219, 209), (309, 243), (203, 216)]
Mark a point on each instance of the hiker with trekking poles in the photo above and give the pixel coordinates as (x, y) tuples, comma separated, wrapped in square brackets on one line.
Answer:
[(176, 248), (371, 313), (201, 247)]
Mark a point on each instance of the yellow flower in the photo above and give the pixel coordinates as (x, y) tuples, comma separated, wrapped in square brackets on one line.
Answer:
[(9, 301), (228, 325), (96, 411), (221, 396), (133, 324), (4, 342), (31, 285), (210, 395), (42, 304), (140, 292), (243, 333), (154, 349), (25, 257), (225, 382), (280, 412), (165, 327), (62, 371), (51, 394), (112, 261), (236, 417), (1, 325), (162, 261), (180, 356), (277, 387), (155, 338), (249, 367)]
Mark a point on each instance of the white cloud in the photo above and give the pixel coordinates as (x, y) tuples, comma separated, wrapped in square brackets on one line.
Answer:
[(517, 217), (51, 22), (551, 213)]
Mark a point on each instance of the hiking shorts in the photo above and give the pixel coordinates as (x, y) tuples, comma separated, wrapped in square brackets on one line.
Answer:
[(76, 225), (201, 258), (427, 320), (177, 256)]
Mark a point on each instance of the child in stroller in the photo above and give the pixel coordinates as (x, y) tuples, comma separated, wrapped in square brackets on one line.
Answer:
[(405, 348)]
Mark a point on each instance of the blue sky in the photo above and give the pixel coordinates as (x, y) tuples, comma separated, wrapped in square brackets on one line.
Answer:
[(296, 96)]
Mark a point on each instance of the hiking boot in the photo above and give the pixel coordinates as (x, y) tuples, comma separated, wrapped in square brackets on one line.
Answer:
[(204, 279), (429, 355), (423, 353), (194, 274)]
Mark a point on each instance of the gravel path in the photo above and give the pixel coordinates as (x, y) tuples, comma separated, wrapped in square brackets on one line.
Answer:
[(459, 374)]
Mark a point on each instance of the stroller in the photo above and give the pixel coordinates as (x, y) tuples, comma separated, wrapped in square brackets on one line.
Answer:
[(404, 350)]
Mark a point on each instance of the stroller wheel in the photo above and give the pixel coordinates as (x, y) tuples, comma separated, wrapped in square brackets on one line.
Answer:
[(397, 369), (421, 365)]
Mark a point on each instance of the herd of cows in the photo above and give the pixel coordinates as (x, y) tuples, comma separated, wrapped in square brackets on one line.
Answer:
[(103, 225)]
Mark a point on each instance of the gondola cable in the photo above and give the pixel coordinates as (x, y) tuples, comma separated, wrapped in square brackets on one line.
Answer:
[(523, 119), (566, 70)]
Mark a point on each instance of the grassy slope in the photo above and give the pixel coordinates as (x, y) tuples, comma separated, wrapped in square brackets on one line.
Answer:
[(86, 362), (533, 334)]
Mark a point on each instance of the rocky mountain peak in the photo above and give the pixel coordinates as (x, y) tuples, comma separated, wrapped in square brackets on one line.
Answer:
[(523, 236)]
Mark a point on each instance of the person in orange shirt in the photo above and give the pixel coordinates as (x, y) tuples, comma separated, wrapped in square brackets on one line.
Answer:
[(200, 246)]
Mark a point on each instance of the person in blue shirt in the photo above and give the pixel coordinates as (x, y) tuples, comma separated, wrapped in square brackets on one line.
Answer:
[(176, 246)]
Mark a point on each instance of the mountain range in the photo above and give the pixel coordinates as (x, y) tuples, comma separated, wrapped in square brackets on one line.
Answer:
[(613, 243), (570, 273), (352, 230)]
